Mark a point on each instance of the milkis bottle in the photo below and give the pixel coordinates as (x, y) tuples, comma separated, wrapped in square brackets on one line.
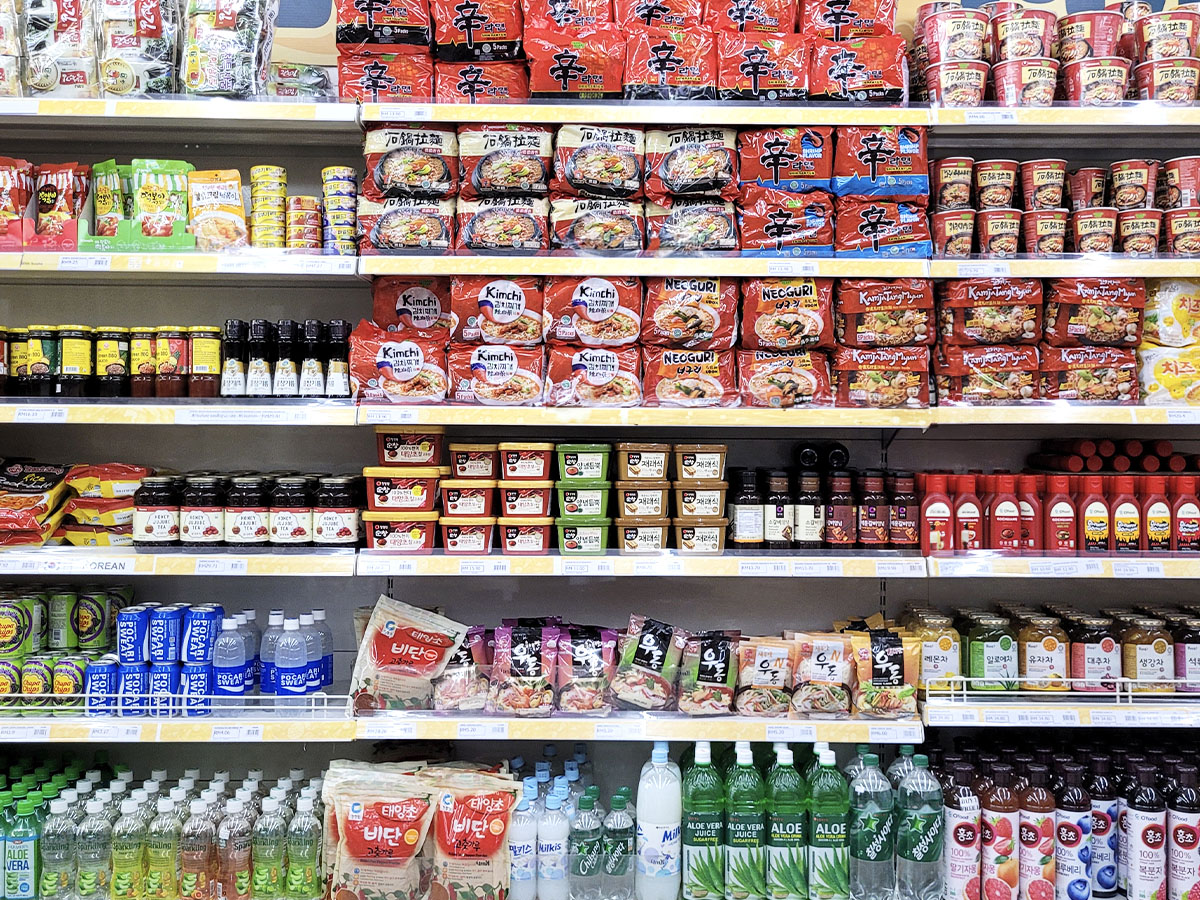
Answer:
[(1073, 837), (1146, 823), (1183, 835), (1185, 515), (960, 860), (1036, 837), (999, 824), (1102, 790)]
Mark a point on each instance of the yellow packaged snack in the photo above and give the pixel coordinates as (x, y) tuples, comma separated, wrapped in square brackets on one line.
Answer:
[(1169, 376), (218, 214), (1172, 317)]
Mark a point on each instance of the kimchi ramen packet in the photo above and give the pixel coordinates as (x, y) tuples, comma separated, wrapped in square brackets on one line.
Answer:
[(413, 306), (593, 311), (217, 211), (412, 161), (587, 659), (523, 666), (789, 159), (708, 673), (768, 67), (777, 223), (1094, 312), (671, 63), (498, 160), (787, 314), (989, 311), (496, 374), (1090, 374), (887, 667), (689, 378), (825, 670), (894, 312), (578, 63), (599, 161), (593, 377), (497, 310), (648, 665), (765, 676), (782, 379), (386, 367), (463, 684), (690, 313), (691, 162)]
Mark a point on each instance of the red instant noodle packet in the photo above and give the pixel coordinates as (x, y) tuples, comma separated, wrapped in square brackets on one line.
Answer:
[(585, 225), (683, 14), (974, 311), (701, 225), (594, 376), (389, 368), (575, 13), (409, 161), (691, 313), (761, 66), (580, 63), (884, 160), (496, 375), (594, 311), (691, 162), (787, 314), (480, 82), (841, 20), (384, 77), (778, 223), (1090, 374), (872, 226), (882, 377), (413, 306), (876, 312), (477, 29), (986, 376), (498, 160), (383, 23), (487, 310), (781, 379), (670, 63), (503, 224), (867, 68), (751, 15), (790, 159), (599, 161), (1094, 312), (689, 378)]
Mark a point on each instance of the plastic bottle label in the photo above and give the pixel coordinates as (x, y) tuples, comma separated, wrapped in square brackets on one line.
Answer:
[(658, 849), (1127, 527), (996, 661), (920, 836), (1158, 526), (745, 866), (1095, 528), (1072, 854), (747, 524), (522, 857), (1122, 843), (587, 854), (810, 523), (1045, 663), (1062, 526), (872, 836), (291, 680), (960, 860), (1098, 663), (235, 852), (940, 659), (20, 867), (1006, 521), (970, 528), (937, 527), (1147, 853), (1104, 848), (229, 680), (1183, 853), (552, 860), (619, 850), (787, 862), (998, 834), (703, 854), (828, 857), (269, 676), (1187, 526), (1036, 839)]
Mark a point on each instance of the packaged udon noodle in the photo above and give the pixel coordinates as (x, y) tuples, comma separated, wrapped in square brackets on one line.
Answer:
[(691, 162), (479, 30), (871, 227), (487, 310), (403, 651), (409, 225), (887, 669), (675, 63), (463, 685), (690, 313), (778, 223), (372, 77), (789, 159), (693, 226), (689, 378), (764, 682), (989, 311), (708, 673), (680, 14), (751, 17), (1094, 312), (825, 670), (1172, 316), (881, 161), (503, 224), (522, 680), (893, 312), (587, 659), (572, 17), (783, 379), (599, 161), (593, 376), (498, 160), (837, 20), (384, 23), (470, 828), (597, 226), (761, 66), (496, 374), (385, 367), (871, 69), (378, 830), (412, 161), (479, 82), (593, 311), (787, 314), (413, 306), (648, 665), (575, 63)]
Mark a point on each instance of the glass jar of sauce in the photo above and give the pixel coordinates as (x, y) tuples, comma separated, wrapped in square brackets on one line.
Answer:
[(204, 348), (142, 361), (291, 515), (992, 655), (172, 361), (42, 360), (1095, 655), (336, 514), (18, 356), (941, 654), (247, 513), (112, 361), (202, 511), (1043, 654), (156, 513), (75, 355), (841, 517), (1148, 657)]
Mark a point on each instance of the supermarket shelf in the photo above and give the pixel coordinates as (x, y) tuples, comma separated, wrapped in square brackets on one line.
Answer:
[(1064, 118), (218, 268), (126, 561), (1054, 713), (714, 265), (145, 730), (645, 416), (987, 565), (209, 412), (1064, 413), (1067, 266)]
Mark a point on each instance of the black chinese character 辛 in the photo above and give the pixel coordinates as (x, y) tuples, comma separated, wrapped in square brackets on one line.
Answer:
[(875, 223), (755, 66), (650, 11), (566, 68), (780, 226), (370, 8), (663, 59), (776, 156), (375, 80), (874, 152), (561, 11), (741, 12), (844, 68), (837, 13), (471, 83), (469, 20)]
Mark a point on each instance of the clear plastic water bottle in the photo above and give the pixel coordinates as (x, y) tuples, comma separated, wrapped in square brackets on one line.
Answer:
[(58, 853), (198, 853), (901, 766), (855, 765), (128, 848), (871, 834), (229, 669), (586, 851), (326, 633), (312, 641), (569, 809), (234, 847), (522, 852), (247, 640), (529, 792), (291, 667), (575, 785), (919, 869), (616, 882), (593, 791), (162, 852), (541, 771), (266, 651), (584, 764), (304, 879), (550, 756), (517, 767), (252, 649)]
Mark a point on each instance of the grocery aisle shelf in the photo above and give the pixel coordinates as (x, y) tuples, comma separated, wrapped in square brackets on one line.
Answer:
[(1062, 118), (1058, 713), (210, 413), (1068, 266), (651, 417), (1063, 413), (713, 266), (219, 267), (127, 561), (146, 730), (984, 564)]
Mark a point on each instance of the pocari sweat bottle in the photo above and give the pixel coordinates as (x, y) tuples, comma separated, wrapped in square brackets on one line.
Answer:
[(322, 627), (229, 669), (312, 641), (291, 667), (266, 651)]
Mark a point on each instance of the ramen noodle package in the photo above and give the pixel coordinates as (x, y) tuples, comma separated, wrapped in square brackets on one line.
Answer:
[(689, 378), (692, 226), (649, 663), (681, 14), (677, 63), (894, 312), (523, 671), (470, 829), (888, 665), (823, 674), (863, 69), (575, 63), (403, 651), (218, 216), (499, 310), (405, 224), (691, 313), (372, 77), (882, 377), (787, 313), (708, 674), (413, 306), (781, 379), (498, 160), (755, 16), (778, 223), (503, 224), (496, 374), (789, 159), (593, 311), (463, 685), (480, 82), (388, 368), (986, 376), (691, 162), (990, 311), (1090, 374), (572, 17), (1169, 376), (587, 659), (477, 29), (1094, 312), (870, 227), (597, 226), (761, 66), (599, 161), (384, 22), (881, 161), (412, 161), (1172, 312), (594, 376), (765, 675), (837, 20)]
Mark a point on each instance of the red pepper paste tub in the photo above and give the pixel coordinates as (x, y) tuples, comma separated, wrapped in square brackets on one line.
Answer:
[(1094, 230), (1023, 34), (467, 534), (954, 35), (1182, 228), (475, 461), (468, 497), (418, 446), (957, 85), (1097, 81), (953, 233), (1025, 82), (522, 499), (525, 460), (1166, 34), (525, 535), (403, 488), (1085, 34), (1043, 183), (411, 532), (1045, 232), (1183, 182), (1171, 82), (1138, 232)]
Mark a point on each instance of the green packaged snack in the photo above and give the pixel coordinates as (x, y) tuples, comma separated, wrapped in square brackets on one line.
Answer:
[(107, 197), (160, 195)]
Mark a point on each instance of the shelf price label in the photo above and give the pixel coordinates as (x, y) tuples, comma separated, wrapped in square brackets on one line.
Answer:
[(483, 567), (949, 715), (586, 567), (894, 734), (405, 112), (40, 414), (387, 415), (237, 732), (989, 269), (777, 268), (621, 730), (483, 731), (763, 568), (380, 565), (1048, 717), (24, 732), (998, 717), (900, 568), (792, 731), (115, 732), (989, 116), (1065, 568), (18, 566), (1137, 568), (84, 262), (957, 568), (221, 565), (658, 567), (387, 729), (1183, 416), (817, 568)]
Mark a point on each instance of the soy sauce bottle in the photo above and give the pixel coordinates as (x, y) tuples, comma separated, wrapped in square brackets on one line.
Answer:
[(746, 512), (779, 513), (809, 533)]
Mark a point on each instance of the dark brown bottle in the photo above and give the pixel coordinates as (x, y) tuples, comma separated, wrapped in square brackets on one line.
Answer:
[(312, 359), (779, 513), (836, 456), (904, 513), (260, 357), (808, 456), (337, 371), (746, 511), (873, 516), (809, 533), (841, 519), (285, 375), (234, 349)]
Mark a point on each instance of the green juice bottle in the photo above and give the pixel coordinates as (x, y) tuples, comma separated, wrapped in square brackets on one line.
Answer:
[(828, 850), (703, 828), (787, 830), (745, 829)]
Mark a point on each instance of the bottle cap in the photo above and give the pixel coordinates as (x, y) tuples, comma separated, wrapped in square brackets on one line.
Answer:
[(318, 615), (586, 802), (921, 761), (785, 757), (274, 619), (270, 805), (304, 804), (165, 805), (617, 802), (296, 774), (243, 794), (94, 807), (827, 758), (150, 786), (83, 786), (58, 807), (240, 619), (658, 755), (284, 783), (199, 807), (549, 750), (104, 796), (139, 795), (870, 759), (745, 756), (129, 807), (233, 807), (572, 769), (516, 763), (306, 619), (69, 796), (593, 790), (291, 624), (907, 749), (529, 787), (208, 795), (542, 770), (229, 624), (703, 753), (553, 801), (177, 795)]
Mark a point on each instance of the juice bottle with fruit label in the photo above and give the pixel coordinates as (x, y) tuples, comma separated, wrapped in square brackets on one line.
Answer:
[(1036, 837), (1126, 786), (1183, 836), (1102, 790), (960, 861), (1146, 824), (1073, 837), (1043, 655), (1000, 819)]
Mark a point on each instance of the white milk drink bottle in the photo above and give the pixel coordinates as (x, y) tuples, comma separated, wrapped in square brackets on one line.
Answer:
[(553, 833), (266, 651), (229, 669), (326, 633), (291, 667), (659, 828), (522, 852)]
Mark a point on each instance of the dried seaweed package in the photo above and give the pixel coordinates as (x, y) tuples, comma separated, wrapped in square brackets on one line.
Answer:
[(464, 684), (227, 46), (886, 686), (586, 662), (522, 681), (139, 47), (708, 674), (824, 672), (650, 656), (764, 680)]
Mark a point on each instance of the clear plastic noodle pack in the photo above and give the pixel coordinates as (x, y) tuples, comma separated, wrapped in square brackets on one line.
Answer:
[(139, 47), (227, 47), (61, 52)]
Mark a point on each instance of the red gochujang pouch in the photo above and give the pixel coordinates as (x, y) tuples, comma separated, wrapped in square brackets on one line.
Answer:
[(670, 63), (476, 82), (790, 159), (477, 29), (585, 63), (867, 68), (761, 66), (776, 223)]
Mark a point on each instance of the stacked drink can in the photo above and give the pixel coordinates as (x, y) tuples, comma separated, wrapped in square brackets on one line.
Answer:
[(268, 198), (339, 189), (304, 224)]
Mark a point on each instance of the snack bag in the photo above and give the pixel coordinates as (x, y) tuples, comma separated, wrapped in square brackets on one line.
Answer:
[(882, 377), (380, 825), (218, 216), (504, 224), (470, 829), (868, 227), (55, 196), (522, 680), (681, 14), (160, 195), (1094, 311), (1090, 374), (577, 15), (106, 480), (989, 311), (29, 493), (881, 161), (586, 663), (586, 226), (386, 367), (765, 676), (649, 663), (383, 23), (825, 670), (987, 376), (1169, 376), (463, 685), (692, 226), (838, 20), (16, 187), (709, 673), (1172, 317), (373, 77), (888, 665)]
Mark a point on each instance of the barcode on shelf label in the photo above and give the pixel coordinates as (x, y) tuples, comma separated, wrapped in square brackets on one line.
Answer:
[(115, 732), (998, 717), (983, 270), (1107, 717), (1137, 568), (483, 731), (1183, 416), (989, 116), (382, 565), (483, 567), (387, 729), (387, 415), (318, 265), (40, 414), (762, 568), (948, 715), (658, 567), (84, 262), (24, 732), (957, 568), (237, 732), (783, 267), (900, 568), (221, 565), (586, 567), (817, 568), (792, 731), (894, 734), (416, 112), (621, 730), (1048, 717)]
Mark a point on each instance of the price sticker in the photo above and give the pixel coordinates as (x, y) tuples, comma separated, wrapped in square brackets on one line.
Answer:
[(387, 729), (1183, 416), (84, 262), (621, 730), (817, 568), (483, 731), (1137, 568), (221, 565), (762, 568), (794, 267), (992, 269), (988, 116), (15, 565), (483, 567), (586, 567), (948, 715), (893, 734), (1048, 717), (42, 414), (240, 415), (115, 732), (900, 568), (998, 717), (1107, 717), (386, 415), (24, 732), (658, 567), (416, 112), (384, 565), (235, 263), (18, 107), (958, 568), (237, 732), (792, 731)]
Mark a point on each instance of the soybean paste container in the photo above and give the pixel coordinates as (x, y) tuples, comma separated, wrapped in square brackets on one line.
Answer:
[(583, 536), (583, 498), (992, 655), (583, 461)]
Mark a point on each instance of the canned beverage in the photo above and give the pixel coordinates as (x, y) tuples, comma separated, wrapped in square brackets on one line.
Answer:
[(195, 689), (100, 686), (37, 677), (166, 631), (16, 629), (93, 609), (63, 634), (121, 594), (164, 689), (70, 673), (200, 625), (133, 683), (133, 634), (40, 607), (10, 681)]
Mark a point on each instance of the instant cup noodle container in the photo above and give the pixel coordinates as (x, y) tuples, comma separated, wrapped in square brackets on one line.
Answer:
[(1133, 183), (468, 497), (401, 445), (1091, 33), (995, 183), (957, 85), (525, 535), (1025, 82), (474, 461), (1182, 181), (1096, 81), (585, 462), (403, 488), (467, 534), (583, 535), (642, 536), (525, 460), (581, 498), (1022, 33), (642, 462), (1043, 183), (526, 498), (1162, 35), (700, 537), (268, 173), (950, 178), (1087, 187), (643, 499), (998, 7), (1138, 232), (700, 462), (953, 233), (401, 532), (1170, 82), (1094, 230), (1045, 231), (1182, 229), (954, 35), (998, 232), (699, 499)]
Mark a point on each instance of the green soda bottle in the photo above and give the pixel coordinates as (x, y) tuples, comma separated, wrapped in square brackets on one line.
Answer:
[(303, 853), (128, 851), (703, 828), (828, 851), (810, 771), (22, 854), (787, 830), (270, 836), (745, 829), (162, 851)]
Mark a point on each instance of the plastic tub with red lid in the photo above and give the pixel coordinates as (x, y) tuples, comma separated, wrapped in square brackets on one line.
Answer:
[(525, 498), (525, 460), (408, 532), (401, 445), (406, 488), (474, 461)]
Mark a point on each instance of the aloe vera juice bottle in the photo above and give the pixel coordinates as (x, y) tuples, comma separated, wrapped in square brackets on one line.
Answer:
[(745, 829), (703, 828), (828, 851), (787, 830)]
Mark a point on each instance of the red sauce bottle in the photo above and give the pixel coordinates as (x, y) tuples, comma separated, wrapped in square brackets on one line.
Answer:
[(1126, 516), (1060, 518), (1004, 515), (1095, 521), (1156, 514), (1185, 515), (937, 516), (968, 514), (1029, 501)]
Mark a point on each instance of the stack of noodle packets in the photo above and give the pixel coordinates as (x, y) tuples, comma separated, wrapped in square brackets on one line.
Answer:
[(888, 664), (765, 677)]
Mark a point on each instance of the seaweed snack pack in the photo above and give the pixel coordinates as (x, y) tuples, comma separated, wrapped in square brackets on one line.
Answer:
[(593, 311), (60, 48), (477, 30), (403, 651), (759, 66), (782, 379), (869, 227), (410, 161), (649, 663), (587, 659), (689, 378), (495, 374), (690, 313), (693, 226), (987, 376), (895, 312), (227, 47), (585, 63), (765, 675), (1103, 312), (503, 224), (523, 665), (755, 16), (497, 160), (599, 161), (882, 377), (825, 670), (479, 82), (789, 159), (1090, 374), (778, 223), (386, 367), (881, 161), (597, 226), (691, 162), (708, 673), (787, 314), (593, 376), (463, 684), (887, 666), (680, 14), (413, 306), (863, 69), (472, 814), (989, 311), (676, 63), (406, 75), (487, 310), (139, 47)]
